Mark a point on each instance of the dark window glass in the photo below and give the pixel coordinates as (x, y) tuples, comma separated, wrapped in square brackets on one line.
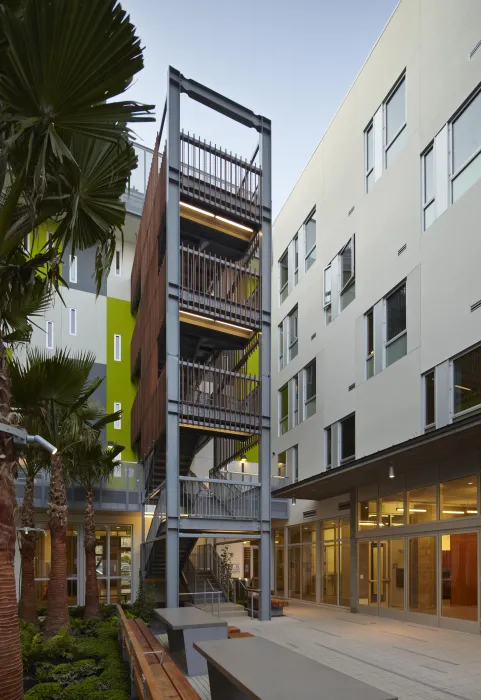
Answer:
[(370, 333), (467, 381), (283, 270), (348, 437), (429, 394), (310, 381), (328, 447), (396, 313), (310, 234), (347, 268)]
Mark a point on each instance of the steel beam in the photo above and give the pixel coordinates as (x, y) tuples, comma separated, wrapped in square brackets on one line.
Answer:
[(214, 100), (172, 339), (265, 368)]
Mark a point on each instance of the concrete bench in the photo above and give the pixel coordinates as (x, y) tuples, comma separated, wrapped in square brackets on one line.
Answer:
[(258, 668)]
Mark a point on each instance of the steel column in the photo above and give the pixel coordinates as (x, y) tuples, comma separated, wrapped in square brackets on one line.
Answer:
[(172, 339), (265, 364), (353, 551)]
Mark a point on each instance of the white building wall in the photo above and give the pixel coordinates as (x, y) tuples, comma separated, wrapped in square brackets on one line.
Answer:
[(431, 42)]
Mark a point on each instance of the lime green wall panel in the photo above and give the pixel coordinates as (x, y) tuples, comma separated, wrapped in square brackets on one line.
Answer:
[(119, 385)]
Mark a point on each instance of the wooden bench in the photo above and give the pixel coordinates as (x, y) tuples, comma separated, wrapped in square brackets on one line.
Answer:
[(231, 629), (154, 676), (240, 635)]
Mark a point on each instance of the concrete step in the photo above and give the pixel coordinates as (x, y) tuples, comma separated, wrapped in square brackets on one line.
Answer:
[(226, 609)]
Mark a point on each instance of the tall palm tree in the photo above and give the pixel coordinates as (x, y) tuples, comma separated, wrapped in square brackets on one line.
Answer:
[(31, 463), (52, 92), (89, 464), (54, 395)]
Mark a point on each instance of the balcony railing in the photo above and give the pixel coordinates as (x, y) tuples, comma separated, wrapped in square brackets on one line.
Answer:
[(216, 498), (218, 288), (215, 398), (209, 498), (219, 179)]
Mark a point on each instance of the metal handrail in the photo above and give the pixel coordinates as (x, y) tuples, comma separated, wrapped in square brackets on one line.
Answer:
[(211, 593)]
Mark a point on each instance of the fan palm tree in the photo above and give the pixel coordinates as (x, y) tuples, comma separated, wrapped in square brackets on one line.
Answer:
[(31, 464), (89, 464), (53, 393), (56, 97)]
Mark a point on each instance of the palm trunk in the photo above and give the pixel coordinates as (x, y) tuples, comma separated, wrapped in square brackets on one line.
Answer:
[(28, 596), (11, 676), (57, 603), (92, 608)]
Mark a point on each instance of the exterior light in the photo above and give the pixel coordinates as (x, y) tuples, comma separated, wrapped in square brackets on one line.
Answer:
[(243, 459), (201, 211), (233, 223), (391, 472)]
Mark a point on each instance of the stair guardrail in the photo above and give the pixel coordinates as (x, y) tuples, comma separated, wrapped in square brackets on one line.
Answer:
[(218, 498)]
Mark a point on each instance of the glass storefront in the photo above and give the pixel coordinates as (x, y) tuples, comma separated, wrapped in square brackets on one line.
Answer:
[(429, 571), (113, 553), (310, 558)]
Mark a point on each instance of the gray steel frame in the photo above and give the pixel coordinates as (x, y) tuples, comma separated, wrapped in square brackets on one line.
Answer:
[(178, 84)]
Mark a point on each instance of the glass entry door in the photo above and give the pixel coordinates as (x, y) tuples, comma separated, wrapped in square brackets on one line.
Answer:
[(381, 574)]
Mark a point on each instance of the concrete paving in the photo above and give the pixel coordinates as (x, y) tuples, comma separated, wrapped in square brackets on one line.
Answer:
[(409, 661)]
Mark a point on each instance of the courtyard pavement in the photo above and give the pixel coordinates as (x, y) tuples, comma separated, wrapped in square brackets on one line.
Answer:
[(412, 662)]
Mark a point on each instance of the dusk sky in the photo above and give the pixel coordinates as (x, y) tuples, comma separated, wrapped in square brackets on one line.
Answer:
[(290, 60)]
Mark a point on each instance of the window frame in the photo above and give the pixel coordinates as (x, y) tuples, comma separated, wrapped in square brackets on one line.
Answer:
[(349, 458), (295, 384), (285, 286), (118, 267), (452, 174), (282, 418), (281, 344), (328, 447), (387, 146), (308, 253), (467, 411), (428, 427), (290, 341), (72, 270), (296, 258), (387, 342), (72, 314), (118, 422), (327, 304), (369, 355), (432, 201), (304, 386), (352, 278), (49, 324), (119, 358), (368, 170)]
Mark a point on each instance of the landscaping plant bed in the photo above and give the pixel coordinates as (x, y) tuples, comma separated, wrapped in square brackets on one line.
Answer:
[(84, 663)]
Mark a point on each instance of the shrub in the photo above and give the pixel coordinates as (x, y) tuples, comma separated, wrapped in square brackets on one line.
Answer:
[(44, 691), (84, 628), (108, 611), (144, 605), (66, 674), (76, 611)]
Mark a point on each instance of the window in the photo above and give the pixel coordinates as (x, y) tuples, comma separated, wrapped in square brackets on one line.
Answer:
[(118, 263), (370, 344), (292, 333), (421, 505), (327, 295), (347, 265), (281, 345), (328, 436), (467, 381), (49, 334), (310, 390), (348, 438), (392, 510), (396, 335), (295, 385), (369, 156), (394, 122), (466, 148), (113, 549), (367, 514), (118, 470), (72, 273), (422, 575), (283, 410), (117, 348), (73, 321), (429, 406), (459, 498), (296, 259), (429, 213), (118, 422), (310, 229), (283, 277)]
